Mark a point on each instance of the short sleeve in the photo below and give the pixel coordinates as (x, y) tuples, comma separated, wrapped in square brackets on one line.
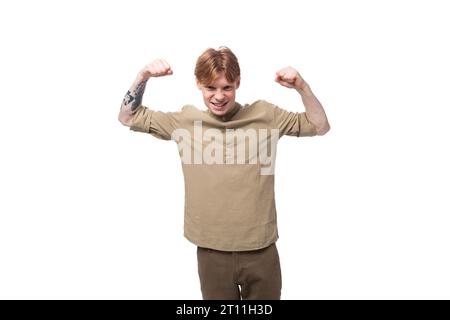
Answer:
[(293, 123), (157, 123)]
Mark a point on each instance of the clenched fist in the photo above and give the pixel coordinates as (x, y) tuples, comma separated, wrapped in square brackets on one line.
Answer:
[(156, 68), (290, 78)]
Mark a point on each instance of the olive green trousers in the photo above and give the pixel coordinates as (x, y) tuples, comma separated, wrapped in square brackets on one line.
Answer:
[(246, 275)]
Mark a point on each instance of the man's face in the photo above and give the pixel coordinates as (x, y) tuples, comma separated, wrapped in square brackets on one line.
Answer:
[(219, 95)]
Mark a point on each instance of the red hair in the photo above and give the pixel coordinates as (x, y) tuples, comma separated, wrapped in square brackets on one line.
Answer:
[(212, 62)]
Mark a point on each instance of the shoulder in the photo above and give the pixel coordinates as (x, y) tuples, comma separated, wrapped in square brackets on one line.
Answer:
[(189, 108), (190, 112), (261, 104), (260, 110)]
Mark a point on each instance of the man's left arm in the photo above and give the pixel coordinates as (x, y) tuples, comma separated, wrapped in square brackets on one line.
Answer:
[(291, 78)]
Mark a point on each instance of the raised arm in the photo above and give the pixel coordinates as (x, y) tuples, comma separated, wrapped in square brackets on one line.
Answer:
[(290, 78), (133, 98)]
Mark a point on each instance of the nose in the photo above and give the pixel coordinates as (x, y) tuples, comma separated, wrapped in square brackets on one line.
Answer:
[(219, 95)]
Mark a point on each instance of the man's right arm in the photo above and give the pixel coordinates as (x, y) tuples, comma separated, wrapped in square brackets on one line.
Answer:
[(133, 98)]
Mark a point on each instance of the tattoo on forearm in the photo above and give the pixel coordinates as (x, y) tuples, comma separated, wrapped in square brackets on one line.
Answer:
[(135, 98), (127, 99), (138, 95)]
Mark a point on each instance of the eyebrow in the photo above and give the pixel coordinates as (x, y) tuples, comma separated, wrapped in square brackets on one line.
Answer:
[(227, 86)]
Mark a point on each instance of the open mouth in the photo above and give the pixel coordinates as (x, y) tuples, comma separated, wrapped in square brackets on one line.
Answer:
[(219, 105)]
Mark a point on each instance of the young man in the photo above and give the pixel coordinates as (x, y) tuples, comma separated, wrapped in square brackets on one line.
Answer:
[(228, 159)]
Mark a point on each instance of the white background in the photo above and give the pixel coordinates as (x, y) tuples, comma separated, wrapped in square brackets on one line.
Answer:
[(91, 210)]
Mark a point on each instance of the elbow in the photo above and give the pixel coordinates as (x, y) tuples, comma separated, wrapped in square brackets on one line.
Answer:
[(124, 119), (322, 130)]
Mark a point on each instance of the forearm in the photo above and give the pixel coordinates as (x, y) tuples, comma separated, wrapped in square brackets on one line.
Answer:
[(132, 100), (314, 110)]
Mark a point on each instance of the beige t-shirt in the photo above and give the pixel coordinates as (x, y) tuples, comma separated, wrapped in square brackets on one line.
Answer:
[(228, 165)]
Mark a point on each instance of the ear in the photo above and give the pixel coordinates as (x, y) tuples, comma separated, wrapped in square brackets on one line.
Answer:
[(238, 82), (199, 85)]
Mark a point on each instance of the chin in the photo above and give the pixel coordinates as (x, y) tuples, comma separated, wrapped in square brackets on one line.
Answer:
[(219, 112)]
